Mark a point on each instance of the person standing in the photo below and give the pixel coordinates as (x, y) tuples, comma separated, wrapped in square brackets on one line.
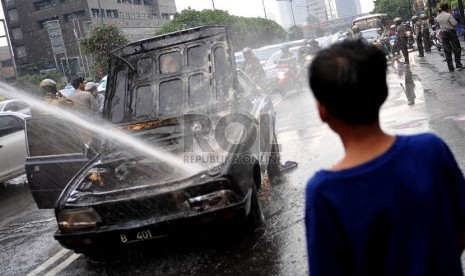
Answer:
[(49, 94), (83, 100), (417, 30), (394, 204), (401, 37), (425, 26), (450, 40), (93, 89)]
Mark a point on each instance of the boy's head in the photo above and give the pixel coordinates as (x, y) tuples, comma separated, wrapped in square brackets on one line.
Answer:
[(349, 80), (78, 83)]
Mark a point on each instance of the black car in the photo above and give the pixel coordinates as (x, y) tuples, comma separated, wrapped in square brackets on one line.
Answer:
[(181, 94)]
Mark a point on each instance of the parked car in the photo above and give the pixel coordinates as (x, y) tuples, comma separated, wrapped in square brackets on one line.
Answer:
[(178, 88), (12, 145), (369, 35), (15, 105)]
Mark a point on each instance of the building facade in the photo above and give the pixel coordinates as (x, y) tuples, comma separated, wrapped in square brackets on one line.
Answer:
[(347, 8), (288, 11), (31, 40)]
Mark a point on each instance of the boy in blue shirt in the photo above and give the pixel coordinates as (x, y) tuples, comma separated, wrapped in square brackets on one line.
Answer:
[(394, 205)]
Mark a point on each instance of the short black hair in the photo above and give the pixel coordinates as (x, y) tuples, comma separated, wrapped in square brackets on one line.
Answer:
[(77, 81), (349, 78), (444, 6)]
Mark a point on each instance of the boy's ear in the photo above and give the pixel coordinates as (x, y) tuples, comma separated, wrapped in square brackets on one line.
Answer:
[(322, 111)]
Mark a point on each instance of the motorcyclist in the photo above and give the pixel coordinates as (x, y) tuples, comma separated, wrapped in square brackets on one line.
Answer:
[(252, 67), (384, 40), (426, 33), (401, 38), (418, 31), (309, 48)]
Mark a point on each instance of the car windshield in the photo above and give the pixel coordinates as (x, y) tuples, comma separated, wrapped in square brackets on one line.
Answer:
[(265, 53), (369, 34)]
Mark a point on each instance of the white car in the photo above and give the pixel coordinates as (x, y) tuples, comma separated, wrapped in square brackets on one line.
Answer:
[(12, 145), (15, 105)]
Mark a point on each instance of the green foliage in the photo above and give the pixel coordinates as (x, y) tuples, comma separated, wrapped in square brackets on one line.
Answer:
[(295, 33), (395, 8), (101, 41), (30, 82), (246, 32)]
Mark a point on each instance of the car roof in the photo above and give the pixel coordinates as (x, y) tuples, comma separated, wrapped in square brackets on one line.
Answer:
[(17, 114)]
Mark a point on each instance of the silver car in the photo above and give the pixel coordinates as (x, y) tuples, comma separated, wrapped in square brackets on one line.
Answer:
[(12, 145), (15, 105)]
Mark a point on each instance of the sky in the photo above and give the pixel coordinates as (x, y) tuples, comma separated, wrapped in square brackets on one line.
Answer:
[(247, 8)]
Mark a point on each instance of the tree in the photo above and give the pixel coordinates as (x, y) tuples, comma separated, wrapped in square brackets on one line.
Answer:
[(295, 33), (246, 32), (395, 8), (101, 41)]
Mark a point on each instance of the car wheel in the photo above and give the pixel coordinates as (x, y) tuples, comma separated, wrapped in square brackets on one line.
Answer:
[(273, 168)]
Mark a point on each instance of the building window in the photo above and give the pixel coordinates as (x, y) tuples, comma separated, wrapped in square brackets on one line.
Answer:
[(21, 52), (13, 16), (121, 14), (127, 1), (42, 23), (118, 1), (16, 33), (45, 5), (137, 2), (10, 3), (126, 15), (147, 2), (69, 1), (70, 16), (112, 13), (95, 12), (165, 16)]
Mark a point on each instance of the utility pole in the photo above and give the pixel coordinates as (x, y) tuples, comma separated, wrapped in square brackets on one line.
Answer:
[(264, 11), (292, 10), (213, 3)]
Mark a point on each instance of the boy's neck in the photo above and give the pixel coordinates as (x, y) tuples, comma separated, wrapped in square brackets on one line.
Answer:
[(362, 144)]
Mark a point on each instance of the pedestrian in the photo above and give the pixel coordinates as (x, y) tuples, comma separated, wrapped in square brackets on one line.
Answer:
[(450, 40), (92, 88), (401, 38), (86, 106), (393, 205), (458, 18), (356, 32), (417, 30), (252, 68), (425, 26), (83, 100)]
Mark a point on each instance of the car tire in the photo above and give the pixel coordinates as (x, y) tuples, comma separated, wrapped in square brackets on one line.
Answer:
[(255, 217), (273, 168)]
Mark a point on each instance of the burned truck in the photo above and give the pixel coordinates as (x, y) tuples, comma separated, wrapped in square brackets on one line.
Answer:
[(181, 95)]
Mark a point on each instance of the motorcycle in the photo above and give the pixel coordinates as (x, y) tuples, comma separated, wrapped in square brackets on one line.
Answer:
[(289, 78)]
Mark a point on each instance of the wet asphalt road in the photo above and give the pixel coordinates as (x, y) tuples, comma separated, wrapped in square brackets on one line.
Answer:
[(26, 233)]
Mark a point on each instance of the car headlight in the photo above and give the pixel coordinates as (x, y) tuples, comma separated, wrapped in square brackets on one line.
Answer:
[(78, 219), (281, 75)]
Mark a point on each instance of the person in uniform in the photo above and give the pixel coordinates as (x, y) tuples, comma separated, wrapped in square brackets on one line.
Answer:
[(450, 40), (49, 94), (425, 26), (417, 29), (401, 37)]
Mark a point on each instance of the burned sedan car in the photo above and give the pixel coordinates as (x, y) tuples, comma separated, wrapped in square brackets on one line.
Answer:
[(180, 95)]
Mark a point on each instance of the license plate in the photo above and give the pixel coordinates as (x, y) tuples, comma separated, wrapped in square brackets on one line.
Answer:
[(136, 236)]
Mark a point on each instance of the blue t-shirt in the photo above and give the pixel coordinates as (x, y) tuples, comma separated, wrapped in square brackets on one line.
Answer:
[(398, 214)]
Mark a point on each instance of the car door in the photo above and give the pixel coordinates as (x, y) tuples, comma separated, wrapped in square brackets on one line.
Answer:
[(12, 146), (55, 153)]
